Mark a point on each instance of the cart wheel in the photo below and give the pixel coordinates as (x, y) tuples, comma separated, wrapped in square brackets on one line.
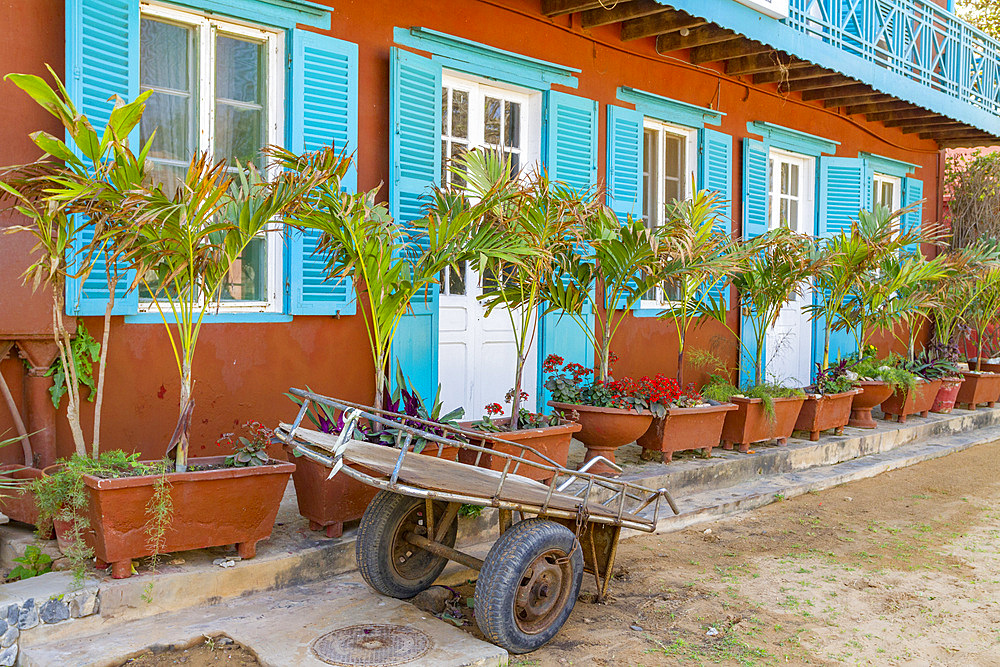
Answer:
[(390, 564), (527, 587)]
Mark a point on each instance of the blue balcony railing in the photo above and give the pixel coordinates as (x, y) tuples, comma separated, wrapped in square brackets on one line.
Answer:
[(911, 49), (913, 38)]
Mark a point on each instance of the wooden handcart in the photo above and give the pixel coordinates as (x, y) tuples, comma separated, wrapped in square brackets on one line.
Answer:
[(550, 532)]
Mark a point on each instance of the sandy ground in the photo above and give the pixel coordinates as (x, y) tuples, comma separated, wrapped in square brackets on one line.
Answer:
[(207, 654), (901, 569)]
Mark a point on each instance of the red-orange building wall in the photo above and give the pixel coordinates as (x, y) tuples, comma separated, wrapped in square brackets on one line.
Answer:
[(241, 370)]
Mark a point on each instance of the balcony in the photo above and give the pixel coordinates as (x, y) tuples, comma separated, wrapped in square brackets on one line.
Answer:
[(892, 60)]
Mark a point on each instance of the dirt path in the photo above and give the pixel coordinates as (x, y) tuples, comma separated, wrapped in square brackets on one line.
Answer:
[(901, 569)]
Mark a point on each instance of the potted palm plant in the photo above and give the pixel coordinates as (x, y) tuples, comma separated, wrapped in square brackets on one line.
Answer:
[(541, 220), (392, 263), (870, 302), (776, 266), (697, 265), (915, 282), (980, 386), (622, 258)]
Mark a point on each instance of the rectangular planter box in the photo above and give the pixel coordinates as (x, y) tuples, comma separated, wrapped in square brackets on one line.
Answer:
[(822, 412), (210, 508), (551, 441), (749, 423), (20, 505), (901, 405), (685, 428), (328, 503), (978, 388)]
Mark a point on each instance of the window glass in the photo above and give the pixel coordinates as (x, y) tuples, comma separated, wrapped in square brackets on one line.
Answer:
[(240, 116), (216, 105), (665, 173), (167, 59)]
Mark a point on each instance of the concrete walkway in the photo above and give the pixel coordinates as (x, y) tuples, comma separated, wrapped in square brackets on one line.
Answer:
[(298, 569)]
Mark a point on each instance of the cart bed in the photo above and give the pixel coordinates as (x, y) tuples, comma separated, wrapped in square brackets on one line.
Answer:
[(438, 474)]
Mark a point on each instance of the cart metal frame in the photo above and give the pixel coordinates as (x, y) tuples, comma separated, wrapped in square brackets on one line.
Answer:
[(601, 507)]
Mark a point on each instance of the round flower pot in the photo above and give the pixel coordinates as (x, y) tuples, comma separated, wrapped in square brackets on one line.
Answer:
[(212, 507), (550, 441), (978, 388), (944, 402), (822, 412), (603, 430), (328, 503), (750, 423), (902, 403), (20, 505), (873, 392)]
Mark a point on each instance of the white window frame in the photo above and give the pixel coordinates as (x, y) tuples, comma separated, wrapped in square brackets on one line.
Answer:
[(274, 41), (530, 140), (807, 189), (897, 195), (688, 180)]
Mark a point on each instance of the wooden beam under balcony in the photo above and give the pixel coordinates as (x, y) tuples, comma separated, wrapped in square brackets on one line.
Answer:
[(819, 83), (774, 61), (777, 76), (969, 143), (856, 89), (733, 48), (870, 98), (666, 21), (936, 119), (946, 134), (946, 124), (878, 107), (559, 7), (700, 36), (900, 114), (593, 18)]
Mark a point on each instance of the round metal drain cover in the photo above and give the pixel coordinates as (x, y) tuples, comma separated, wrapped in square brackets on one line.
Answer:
[(371, 645)]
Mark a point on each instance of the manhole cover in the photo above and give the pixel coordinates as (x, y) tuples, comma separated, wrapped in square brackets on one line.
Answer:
[(371, 645)]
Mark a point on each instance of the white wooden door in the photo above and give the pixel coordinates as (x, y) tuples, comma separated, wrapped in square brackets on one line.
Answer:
[(477, 354), (788, 348)]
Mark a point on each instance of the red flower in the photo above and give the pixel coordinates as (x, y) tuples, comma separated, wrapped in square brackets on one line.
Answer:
[(552, 363), (494, 409)]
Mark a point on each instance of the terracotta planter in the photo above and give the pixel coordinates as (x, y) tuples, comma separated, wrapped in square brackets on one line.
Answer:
[(978, 388), (902, 404), (684, 428), (749, 423), (210, 508), (822, 412), (944, 402), (552, 441), (328, 503), (20, 505), (603, 430), (986, 366), (873, 392)]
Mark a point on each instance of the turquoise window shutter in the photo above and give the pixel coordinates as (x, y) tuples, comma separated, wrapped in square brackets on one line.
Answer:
[(102, 60), (755, 188), (624, 193), (414, 167), (570, 156), (624, 178), (844, 189), (571, 140), (323, 97), (913, 192), (755, 203), (715, 174)]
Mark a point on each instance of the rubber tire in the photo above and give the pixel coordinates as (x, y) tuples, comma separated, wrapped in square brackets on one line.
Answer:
[(502, 571), (374, 546)]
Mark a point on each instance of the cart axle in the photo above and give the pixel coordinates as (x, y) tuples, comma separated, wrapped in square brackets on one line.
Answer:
[(444, 551)]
